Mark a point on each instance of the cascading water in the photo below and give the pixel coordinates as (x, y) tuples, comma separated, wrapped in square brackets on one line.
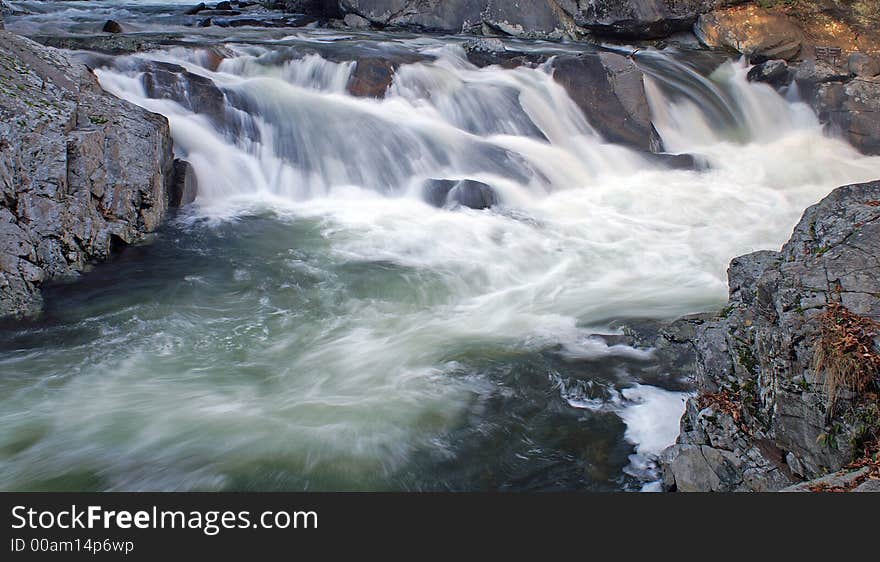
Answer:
[(311, 322)]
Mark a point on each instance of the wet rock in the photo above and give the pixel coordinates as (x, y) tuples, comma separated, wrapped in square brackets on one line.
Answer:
[(223, 6), (371, 77), (194, 92), (852, 111), (112, 27), (196, 9), (758, 34), (467, 193), (609, 89), (850, 480), (863, 66), (774, 72), (81, 172), (761, 422), (184, 186)]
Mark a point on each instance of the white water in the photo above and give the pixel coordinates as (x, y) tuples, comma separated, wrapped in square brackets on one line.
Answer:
[(587, 231)]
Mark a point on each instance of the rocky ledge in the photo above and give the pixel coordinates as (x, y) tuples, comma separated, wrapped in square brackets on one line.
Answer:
[(82, 173), (787, 373)]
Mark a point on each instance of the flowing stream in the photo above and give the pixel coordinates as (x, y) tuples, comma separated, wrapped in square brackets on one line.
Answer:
[(310, 322)]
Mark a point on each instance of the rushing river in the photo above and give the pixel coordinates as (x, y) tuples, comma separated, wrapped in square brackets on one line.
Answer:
[(311, 323)]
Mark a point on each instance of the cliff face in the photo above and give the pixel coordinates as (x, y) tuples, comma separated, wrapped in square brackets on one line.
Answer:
[(81, 172), (761, 420)]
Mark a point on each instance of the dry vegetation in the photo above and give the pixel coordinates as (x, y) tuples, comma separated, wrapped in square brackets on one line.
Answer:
[(845, 355)]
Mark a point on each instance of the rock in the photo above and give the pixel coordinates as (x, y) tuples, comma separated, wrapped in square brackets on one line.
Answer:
[(774, 72), (81, 172), (852, 111), (467, 193), (449, 16), (641, 19), (227, 6), (863, 66), (112, 27), (542, 19), (196, 9), (491, 45), (184, 186), (196, 93), (850, 480), (371, 77), (762, 408), (609, 88), (355, 21), (758, 34)]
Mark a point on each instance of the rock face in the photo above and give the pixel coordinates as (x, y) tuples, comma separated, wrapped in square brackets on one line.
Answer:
[(642, 19), (432, 15), (760, 422), (609, 88), (758, 34), (550, 19), (848, 105), (81, 173)]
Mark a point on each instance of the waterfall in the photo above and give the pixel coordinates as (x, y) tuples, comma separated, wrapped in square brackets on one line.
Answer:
[(313, 321)]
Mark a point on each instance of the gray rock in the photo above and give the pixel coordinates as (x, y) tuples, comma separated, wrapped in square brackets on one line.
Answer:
[(609, 88), (355, 21), (848, 480), (776, 429), (848, 106), (467, 193), (81, 172), (774, 72), (544, 19), (862, 65)]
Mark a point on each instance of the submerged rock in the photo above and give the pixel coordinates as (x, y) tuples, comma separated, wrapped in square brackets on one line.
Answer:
[(112, 27), (81, 172), (467, 193), (761, 420)]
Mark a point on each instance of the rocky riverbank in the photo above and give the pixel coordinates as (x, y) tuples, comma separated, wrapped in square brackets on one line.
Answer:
[(82, 173), (765, 416)]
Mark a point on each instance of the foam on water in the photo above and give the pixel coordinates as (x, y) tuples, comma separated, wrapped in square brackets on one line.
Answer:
[(366, 326)]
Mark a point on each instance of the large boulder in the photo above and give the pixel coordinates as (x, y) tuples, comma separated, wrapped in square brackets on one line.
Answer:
[(451, 16), (609, 88), (751, 31), (81, 172), (641, 19), (762, 420), (545, 19)]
